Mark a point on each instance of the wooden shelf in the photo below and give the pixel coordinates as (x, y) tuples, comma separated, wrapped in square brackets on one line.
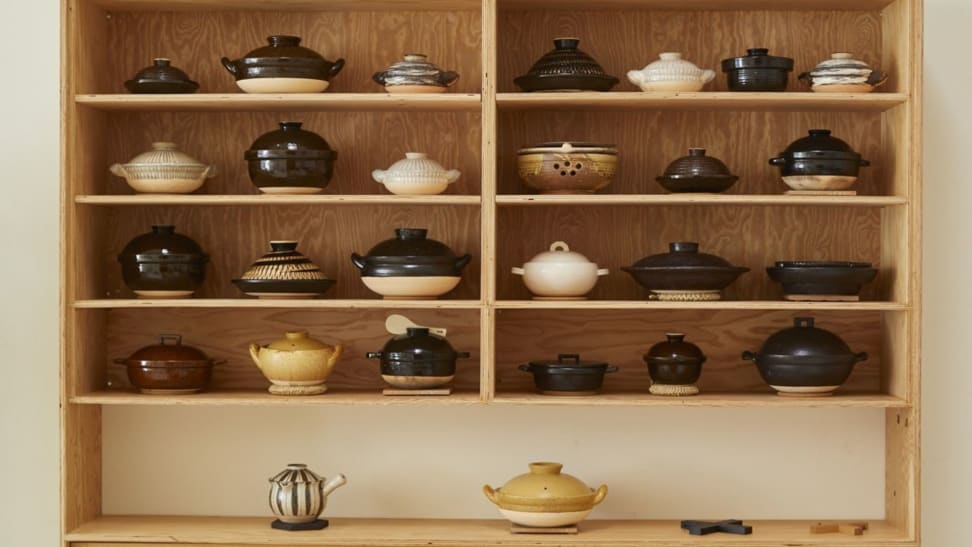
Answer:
[(706, 400), (718, 5), (700, 199), (288, 5), (714, 305), (264, 398), (714, 100), (267, 199), (416, 532), (304, 102), (115, 303)]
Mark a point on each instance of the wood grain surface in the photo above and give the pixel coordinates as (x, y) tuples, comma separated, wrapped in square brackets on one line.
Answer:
[(367, 41), (622, 337), (754, 237), (227, 334)]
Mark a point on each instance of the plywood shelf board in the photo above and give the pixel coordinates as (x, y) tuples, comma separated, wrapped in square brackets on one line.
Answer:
[(316, 102), (694, 5), (776, 200), (289, 5), (144, 200), (718, 100), (705, 399), (256, 397), (712, 305), (263, 303)]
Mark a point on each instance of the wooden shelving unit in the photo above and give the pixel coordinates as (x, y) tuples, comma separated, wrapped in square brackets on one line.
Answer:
[(477, 128)]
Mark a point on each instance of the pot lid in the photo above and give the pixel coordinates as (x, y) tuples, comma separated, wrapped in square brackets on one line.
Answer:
[(165, 153), (163, 244), (757, 58), (566, 60), (415, 69), (283, 262), (821, 264), (416, 163), (568, 360), (412, 243), (670, 66), (697, 164), (805, 340), (296, 473), (545, 482), (675, 350), (161, 70), (560, 253), (290, 141), (571, 147), (169, 348), (682, 254), (819, 143), (281, 45), (418, 344), (297, 341), (841, 64)]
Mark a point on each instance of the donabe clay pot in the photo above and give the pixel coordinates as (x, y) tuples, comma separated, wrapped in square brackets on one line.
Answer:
[(566, 68), (560, 273), (415, 74), (169, 367), (296, 364), (671, 73), (161, 77), (290, 160), (545, 497), (568, 375), (418, 360), (284, 66), (567, 168), (163, 264), (757, 71)]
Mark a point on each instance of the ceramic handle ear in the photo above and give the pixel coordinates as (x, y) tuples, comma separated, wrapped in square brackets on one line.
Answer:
[(118, 170), (490, 494), (610, 368), (777, 161), (862, 356), (210, 171), (600, 494), (707, 76), (877, 78), (524, 368), (635, 77), (379, 77), (358, 260), (602, 271), (749, 356), (805, 76), (378, 175), (518, 271), (373, 355), (448, 78), (462, 355), (452, 175), (230, 66), (462, 261), (865, 163), (335, 68), (255, 354)]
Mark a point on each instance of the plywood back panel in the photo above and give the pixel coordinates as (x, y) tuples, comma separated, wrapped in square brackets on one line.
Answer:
[(622, 337)]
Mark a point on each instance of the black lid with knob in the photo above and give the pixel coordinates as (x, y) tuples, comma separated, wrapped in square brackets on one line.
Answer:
[(161, 77), (290, 141), (758, 58)]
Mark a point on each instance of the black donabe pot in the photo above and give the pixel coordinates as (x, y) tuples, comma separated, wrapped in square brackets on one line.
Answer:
[(410, 253), (819, 153), (163, 264), (568, 375), (290, 160), (161, 77), (757, 71), (566, 68), (674, 366), (418, 360), (697, 173), (284, 57), (684, 268), (822, 278), (804, 360)]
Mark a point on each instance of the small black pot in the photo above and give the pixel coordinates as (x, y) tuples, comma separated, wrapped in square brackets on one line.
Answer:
[(418, 360), (674, 361), (163, 264), (757, 71), (568, 375), (822, 278), (410, 253), (697, 172), (290, 160)]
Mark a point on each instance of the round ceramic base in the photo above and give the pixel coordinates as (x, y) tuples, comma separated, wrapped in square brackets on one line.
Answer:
[(163, 294), (170, 391), (417, 382), (409, 288), (415, 89), (820, 182), (843, 88), (672, 86), (544, 520), (282, 85), (165, 186), (293, 190), (672, 390), (559, 298), (284, 295), (416, 189), (686, 296), (315, 389), (805, 391)]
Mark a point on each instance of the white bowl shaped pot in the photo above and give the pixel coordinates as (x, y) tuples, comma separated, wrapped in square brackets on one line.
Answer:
[(560, 273), (671, 73), (416, 175)]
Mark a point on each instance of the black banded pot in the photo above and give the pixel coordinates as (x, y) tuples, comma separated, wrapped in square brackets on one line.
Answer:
[(568, 375), (283, 273), (675, 366), (804, 361), (418, 359), (163, 264), (683, 273), (818, 162), (283, 66), (410, 266), (298, 495), (757, 71), (290, 160), (814, 280)]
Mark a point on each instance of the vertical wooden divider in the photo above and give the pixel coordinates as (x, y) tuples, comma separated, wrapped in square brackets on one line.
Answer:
[(488, 211)]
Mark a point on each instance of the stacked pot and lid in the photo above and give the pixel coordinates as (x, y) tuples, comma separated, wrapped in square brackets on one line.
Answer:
[(290, 160), (418, 359), (163, 264), (410, 265)]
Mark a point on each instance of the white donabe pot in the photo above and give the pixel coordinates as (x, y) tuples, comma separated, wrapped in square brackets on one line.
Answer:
[(416, 174), (560, 273), (164, 170), (671, 73)]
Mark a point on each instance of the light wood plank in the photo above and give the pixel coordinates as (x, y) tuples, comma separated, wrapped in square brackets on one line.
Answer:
[(318, 102), (714, 305), (275, 200), (263, 303), (725, 5), (761, 400), (700, 199), (264, 398), (488, 230), (397, 532), (738, 102), (289, 5)]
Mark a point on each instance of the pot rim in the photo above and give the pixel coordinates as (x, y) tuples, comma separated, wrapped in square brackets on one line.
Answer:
[(277, 154), (831, 359), (159, 258), (168, 363), (812, 264), (739, 269)]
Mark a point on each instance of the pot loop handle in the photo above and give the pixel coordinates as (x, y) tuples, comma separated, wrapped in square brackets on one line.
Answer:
[(568, 358), (804, 322), (559, 246), (600, 494), (176, 339)]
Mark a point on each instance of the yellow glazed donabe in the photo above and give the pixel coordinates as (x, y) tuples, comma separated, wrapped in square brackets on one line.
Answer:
[(297, 363), (545, 490)]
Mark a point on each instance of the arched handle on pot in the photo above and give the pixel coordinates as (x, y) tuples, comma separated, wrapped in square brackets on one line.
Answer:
[(335, 68), (373, 355), (750, 356), (358, 260), (230, 66), (491, 494), (707, 76), (448, 77), (462, 261), (610, 368), (602, 272), (379, 77), (600, 494), (118, 170), (864, 163), (877, 78), (862, 356), (568, 357), (378, 175), (255, 354), (209, 172), (778, 161), (518, 271), (452, 175)]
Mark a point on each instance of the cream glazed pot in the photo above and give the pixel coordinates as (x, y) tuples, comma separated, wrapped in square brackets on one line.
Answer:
[(671, 73), (298, 495), (416, 175), (164, 170), (560, 274)]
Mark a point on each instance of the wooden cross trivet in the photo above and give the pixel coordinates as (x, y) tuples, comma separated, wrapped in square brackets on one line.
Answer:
[(821, 192), (438, 391), (701, 528), (858, 528), (517, 529)]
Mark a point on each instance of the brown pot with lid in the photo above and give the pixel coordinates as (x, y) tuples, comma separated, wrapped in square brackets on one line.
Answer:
[(169, 367)]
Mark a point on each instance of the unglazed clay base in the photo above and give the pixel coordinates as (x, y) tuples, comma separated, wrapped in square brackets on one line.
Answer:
[(416, 189), (414, 89), (686, 296), (417, 382), (843, 88), (820, 182), (559, 298), (316, 389), (544, 520), (282, 85), (672, 86), (805, 391), (170, 391), (299, 190), (403, 287), (163, 294), (569, 394), (672, 390), (166, 186)]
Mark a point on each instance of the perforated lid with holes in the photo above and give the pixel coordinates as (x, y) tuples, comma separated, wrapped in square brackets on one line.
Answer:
[(567, 147)]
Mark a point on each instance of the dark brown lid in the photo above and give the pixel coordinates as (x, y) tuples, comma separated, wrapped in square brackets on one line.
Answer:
[(162, 244), (418, 344), (697, 164), (567, 360), (682, 254), (757, 57), (170, 349), (805, 340), (675, 350), (412, 242), (281, 45), (819, 143), (290, 141), (161, 70)]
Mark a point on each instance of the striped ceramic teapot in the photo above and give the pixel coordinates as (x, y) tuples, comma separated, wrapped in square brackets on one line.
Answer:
[(298, 495)]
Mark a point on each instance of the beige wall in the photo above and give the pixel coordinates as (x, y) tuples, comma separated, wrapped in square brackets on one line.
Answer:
[(656, 466)]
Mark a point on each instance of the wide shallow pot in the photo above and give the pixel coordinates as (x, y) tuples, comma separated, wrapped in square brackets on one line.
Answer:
[(804, 360), (683, 273), (560, 274), (169, 367), (161, 77), (283, 273), (284, 66), (296, 364), (567, 167), (842, 73), (819, 161), (410, 266), (164, 170), (290, 160), (671, 73), (566, 68), (298, 495), (545, 497), (163, 264), (418, 359), (416, 175), (568, 375), (697, 172), (822, 278), (674, 366), (415, 74), (757, 71)]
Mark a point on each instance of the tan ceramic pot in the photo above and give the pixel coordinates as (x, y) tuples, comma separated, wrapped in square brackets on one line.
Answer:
[(545, 497), (296, 364), (567, 168)]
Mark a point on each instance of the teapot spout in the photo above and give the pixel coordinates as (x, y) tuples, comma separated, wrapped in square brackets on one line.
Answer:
[(333, 484)]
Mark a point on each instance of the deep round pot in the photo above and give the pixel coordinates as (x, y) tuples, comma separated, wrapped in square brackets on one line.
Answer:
[(567, 168), (418, 360), (819, 161), (283, 66), (674, 361), (163, 264), (410, 266), (290, 160), (568, 375), (169, 367), (757, 71)]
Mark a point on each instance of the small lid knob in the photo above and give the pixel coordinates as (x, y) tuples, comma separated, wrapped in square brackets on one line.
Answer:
[(290, 126), (841, 55), (163, 229), (283, 245), (757, 51), (819, 132), (416, 155), (295, 335), (566, 43), (416, 331), (670, 56), (696, 152), (161, 62), (416, 57), (282, 40), (803, 322), (683, 247), (163, 146), (411, 233), (296, 466), (546, 468), (675, 336)]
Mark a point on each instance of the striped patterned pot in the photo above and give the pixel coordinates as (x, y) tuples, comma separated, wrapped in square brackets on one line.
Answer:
[(298, 495)]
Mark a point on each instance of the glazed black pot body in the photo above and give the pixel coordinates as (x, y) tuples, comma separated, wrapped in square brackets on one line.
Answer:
[(674, 361), (757, 71), (828, 278), (683, 268), (161, 77), (566, 68), (290, 157), (418, 353), (819, 153), (283, 58), (697, 173), (163, 261), (568, 374), (410, 253)]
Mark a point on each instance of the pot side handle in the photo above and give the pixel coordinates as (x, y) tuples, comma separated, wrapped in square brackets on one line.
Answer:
[(862, 356), (517, 271), (610, 368), (877, 78), (491, 494), (230, 66), (635, 77), (462, 261), (600, 494), (707, 76), (335, 68), (524, 368), (255, 354), (778, 161), (373, 355), (379, 77), (452, 175), (358, 260), (448, 77), (602, 272), (378, 175), (118, 170), (209, 172), (805, 77), (749, 356), (865, 163)]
